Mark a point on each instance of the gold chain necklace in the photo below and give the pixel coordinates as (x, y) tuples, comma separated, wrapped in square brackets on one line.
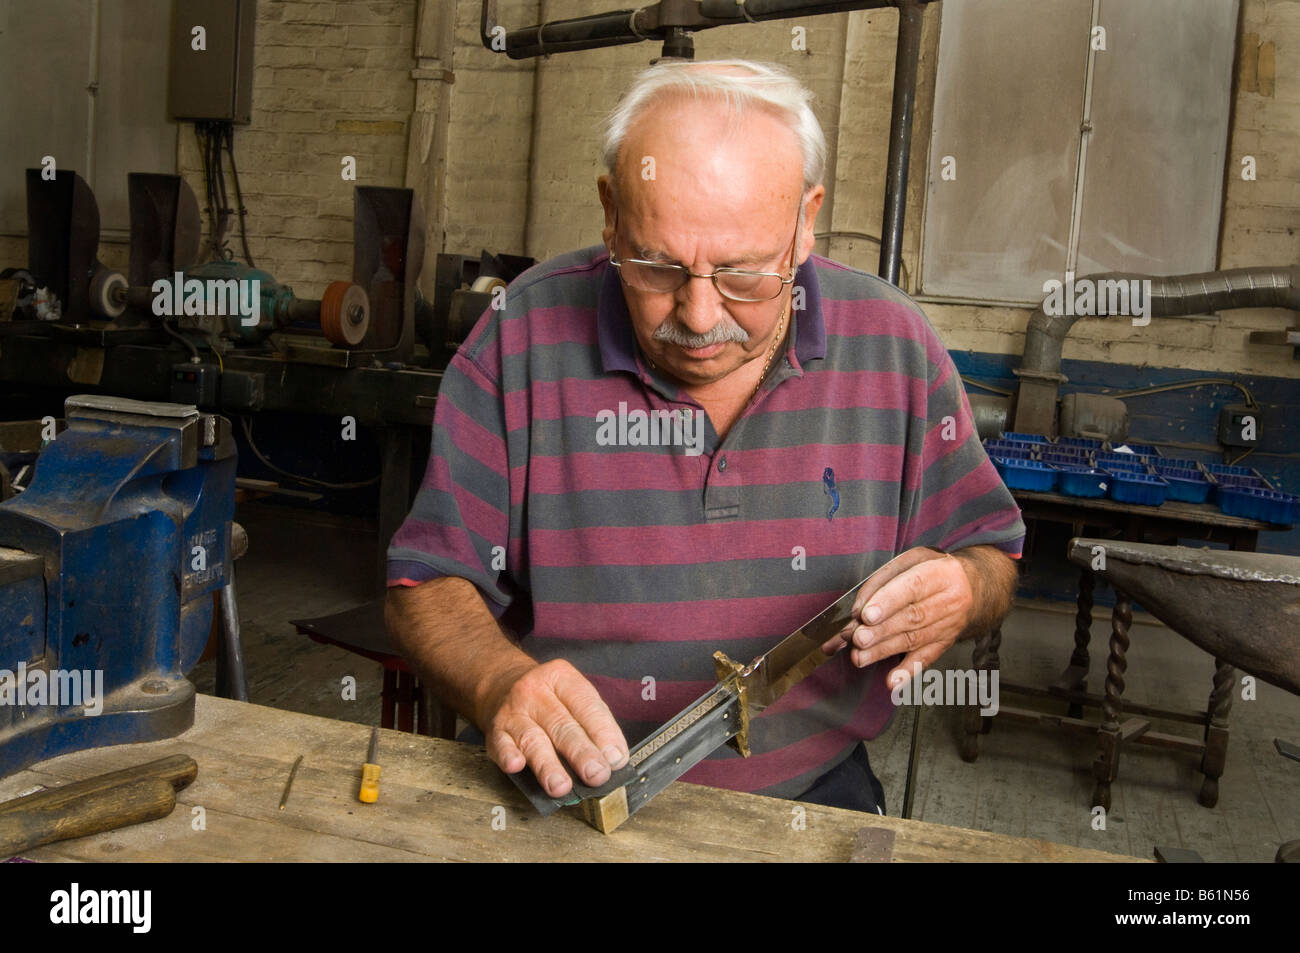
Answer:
[(771, 351)]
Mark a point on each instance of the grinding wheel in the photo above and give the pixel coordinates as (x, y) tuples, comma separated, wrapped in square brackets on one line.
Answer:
[(345, 313), (108, 293)]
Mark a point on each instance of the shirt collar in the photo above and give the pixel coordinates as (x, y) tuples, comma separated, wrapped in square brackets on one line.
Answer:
[(618, 347)]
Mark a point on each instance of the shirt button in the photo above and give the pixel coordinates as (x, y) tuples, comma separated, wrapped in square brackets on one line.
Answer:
[(722, 463)]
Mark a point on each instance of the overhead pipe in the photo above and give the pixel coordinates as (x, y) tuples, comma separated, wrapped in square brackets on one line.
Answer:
[(1170, 296), (670, 21)]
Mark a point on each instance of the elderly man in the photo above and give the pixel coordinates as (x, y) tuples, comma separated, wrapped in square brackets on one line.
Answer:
[(694, 438)]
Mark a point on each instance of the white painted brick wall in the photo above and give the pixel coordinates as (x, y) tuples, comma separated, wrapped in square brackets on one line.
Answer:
[(333, 79)]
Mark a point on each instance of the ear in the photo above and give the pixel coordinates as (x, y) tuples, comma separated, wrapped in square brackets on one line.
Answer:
[(605, 186), (812, 205)]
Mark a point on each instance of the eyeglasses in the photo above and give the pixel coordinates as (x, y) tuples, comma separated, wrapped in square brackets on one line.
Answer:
[(734, 283)]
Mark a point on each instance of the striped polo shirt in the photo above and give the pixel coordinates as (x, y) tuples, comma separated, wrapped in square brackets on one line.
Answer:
[(589, 499)]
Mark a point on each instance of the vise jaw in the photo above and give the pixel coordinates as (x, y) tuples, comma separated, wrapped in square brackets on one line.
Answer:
[(108, 565)]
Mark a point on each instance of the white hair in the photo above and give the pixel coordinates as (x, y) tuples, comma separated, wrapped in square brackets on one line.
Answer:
[(740, 85)]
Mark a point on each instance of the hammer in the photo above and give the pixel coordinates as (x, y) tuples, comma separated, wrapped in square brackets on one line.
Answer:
[(103, 803)]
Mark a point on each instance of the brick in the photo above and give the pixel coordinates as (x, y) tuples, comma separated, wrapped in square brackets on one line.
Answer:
[(377, 14), (338, 59), (314, 228), (272, 98), (388, 57), (299, 34), (267, 55), (298, 77), (311, 12), (384, 101), (340, 207), (291, 120), (379, 36), (364, 78), (369, 126), (295, 250)]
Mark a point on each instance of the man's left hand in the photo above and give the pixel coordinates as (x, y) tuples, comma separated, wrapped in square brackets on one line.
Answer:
[(925, 609)]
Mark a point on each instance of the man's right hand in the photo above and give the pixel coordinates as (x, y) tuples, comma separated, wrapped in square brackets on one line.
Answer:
[(533, 715)]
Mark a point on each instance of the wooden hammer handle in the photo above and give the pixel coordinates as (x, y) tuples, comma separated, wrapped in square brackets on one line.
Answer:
[(131, 802), (178, 770)]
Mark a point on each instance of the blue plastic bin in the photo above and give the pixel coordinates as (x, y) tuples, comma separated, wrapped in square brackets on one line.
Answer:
[(1186, 485), (1223, 477), (1144, 488), (1179, 463), (1223, 469), (1114, 462), (1083, 481), (1012, 453), (1235, 480), (1270, 506), (1026, 474), (993, 447), (1066, 460)]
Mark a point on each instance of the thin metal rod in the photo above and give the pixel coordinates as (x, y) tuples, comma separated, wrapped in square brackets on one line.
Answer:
[(906, 59), (293, 773), (235, 681), (909, 789)]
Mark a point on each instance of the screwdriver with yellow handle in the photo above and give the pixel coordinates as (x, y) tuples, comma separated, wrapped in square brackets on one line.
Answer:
[(370, 771)]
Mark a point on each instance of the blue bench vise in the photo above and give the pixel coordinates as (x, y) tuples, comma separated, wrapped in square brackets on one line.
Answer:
[(108, 565)]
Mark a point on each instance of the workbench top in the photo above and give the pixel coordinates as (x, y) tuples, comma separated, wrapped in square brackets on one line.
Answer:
[(439, 800)]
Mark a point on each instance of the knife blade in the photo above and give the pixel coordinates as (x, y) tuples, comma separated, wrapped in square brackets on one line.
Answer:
[(721, 715), (811, 645)]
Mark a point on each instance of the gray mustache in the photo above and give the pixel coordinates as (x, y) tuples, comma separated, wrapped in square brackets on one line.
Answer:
[(721, 333)]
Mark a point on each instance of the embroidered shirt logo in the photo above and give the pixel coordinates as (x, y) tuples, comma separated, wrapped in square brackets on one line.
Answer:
[(828, 479)]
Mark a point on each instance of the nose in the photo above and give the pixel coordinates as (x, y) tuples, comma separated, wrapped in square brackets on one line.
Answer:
[(699, 305)]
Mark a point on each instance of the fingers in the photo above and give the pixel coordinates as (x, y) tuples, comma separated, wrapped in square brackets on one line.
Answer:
[(532, 748), (550, 713), (928, 605), (904, 594), (593, 715), (913, 664)]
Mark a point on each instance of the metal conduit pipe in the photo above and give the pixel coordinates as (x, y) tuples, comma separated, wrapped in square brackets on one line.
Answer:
[(671, 21), (907, 59), (1171, 296)]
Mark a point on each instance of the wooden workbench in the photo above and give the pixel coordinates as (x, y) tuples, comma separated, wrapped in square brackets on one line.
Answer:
[(437, 802)]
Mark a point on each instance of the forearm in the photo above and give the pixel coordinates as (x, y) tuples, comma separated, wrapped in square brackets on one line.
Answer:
[(992, 576), (446, 630)]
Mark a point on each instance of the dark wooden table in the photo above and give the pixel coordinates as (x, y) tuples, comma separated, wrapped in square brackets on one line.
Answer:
[(1155, 524)]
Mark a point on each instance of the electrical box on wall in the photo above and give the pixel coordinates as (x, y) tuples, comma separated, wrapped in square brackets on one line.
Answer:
[(211, 72), (195, 384), (1240, 425)]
